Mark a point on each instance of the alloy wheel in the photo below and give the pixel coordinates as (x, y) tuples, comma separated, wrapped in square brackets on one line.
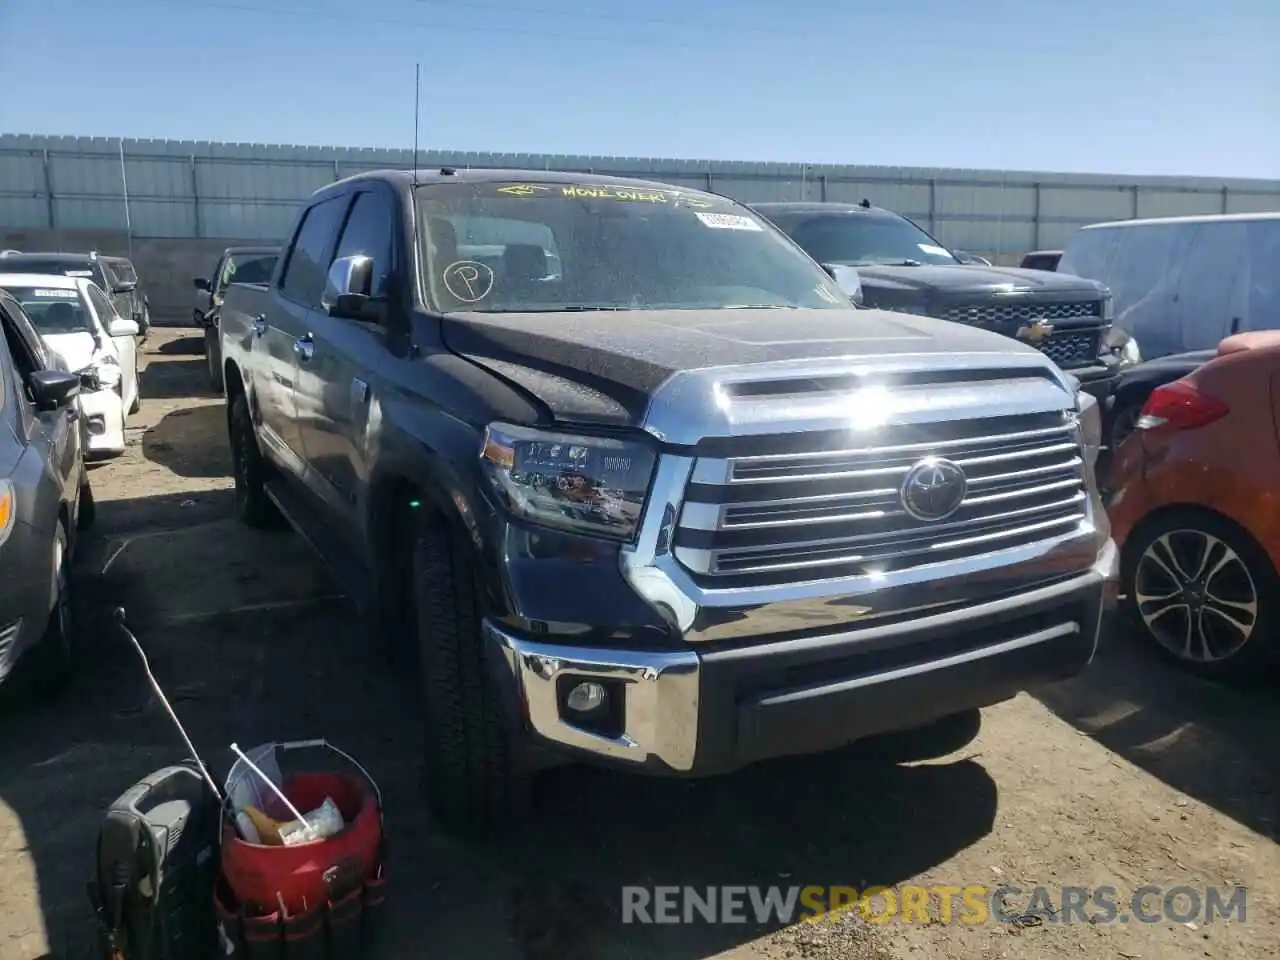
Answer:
[(1196, 596)]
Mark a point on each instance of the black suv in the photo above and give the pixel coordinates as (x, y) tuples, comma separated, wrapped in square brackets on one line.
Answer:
[(903, 268), (126, 274), (106, 272)]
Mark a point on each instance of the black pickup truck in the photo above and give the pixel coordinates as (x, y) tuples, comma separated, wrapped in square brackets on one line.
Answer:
[(626, 475), (901, 267)]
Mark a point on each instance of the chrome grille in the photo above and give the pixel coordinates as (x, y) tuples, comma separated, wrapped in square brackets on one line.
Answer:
[(1026, 311), (827, 512)]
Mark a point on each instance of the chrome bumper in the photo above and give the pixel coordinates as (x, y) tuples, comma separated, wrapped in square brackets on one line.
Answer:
[(669, 694), (661, 712)]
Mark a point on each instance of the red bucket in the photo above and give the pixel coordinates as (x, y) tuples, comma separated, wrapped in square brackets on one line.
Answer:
[(263, 875)]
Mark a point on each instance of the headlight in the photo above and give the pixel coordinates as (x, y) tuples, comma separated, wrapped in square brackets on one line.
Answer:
[(591, 485), (1130, 353), (8, 509), (1108, 309)]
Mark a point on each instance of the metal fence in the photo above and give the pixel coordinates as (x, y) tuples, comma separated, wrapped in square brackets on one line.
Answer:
[(183, 189)]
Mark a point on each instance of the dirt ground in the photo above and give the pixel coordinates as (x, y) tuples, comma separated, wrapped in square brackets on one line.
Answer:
[(1130, 774)]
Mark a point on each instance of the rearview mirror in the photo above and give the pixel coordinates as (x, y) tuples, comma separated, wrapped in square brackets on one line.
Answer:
[(847, 280), (347, 287), (125, 286), (54, 389), (200, 283)]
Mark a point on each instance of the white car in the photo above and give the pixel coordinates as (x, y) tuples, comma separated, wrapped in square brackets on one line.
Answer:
[(76, 321)]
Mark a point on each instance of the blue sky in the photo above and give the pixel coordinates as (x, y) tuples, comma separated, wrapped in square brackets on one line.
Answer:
[(1123, 86)]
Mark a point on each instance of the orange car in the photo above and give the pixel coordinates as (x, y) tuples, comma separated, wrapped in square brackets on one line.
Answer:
[(1196, 510)]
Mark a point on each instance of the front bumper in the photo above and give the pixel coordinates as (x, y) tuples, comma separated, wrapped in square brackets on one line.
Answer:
[(103, 411), (26, 597), (697, 712)]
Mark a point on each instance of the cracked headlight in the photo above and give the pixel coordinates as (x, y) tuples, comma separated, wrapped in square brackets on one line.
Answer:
[(591, 485)]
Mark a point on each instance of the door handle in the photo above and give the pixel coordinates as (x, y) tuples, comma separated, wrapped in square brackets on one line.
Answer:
[(260, 324), (304, 348)]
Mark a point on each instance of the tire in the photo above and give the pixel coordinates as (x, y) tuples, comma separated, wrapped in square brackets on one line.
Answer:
[(88, 506), (213, 358), (137, 396), (54, 656), (253, 507), (1202, 592), (473, 779)]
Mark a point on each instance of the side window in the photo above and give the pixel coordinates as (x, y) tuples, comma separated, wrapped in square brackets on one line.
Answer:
[(309, 260), (370, 232)]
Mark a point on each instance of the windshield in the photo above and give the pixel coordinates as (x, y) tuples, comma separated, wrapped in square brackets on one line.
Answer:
[(248, 268), (56, 268), (860, 240), (530, 247), (53, 310)]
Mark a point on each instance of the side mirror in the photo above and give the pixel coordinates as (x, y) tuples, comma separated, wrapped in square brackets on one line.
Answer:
[(126, 286), (120, 327), (847, 280), (54, 389), (346, 289), (200, 283)]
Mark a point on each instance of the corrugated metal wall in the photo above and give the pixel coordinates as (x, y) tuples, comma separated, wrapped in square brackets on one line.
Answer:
[(233, 190)]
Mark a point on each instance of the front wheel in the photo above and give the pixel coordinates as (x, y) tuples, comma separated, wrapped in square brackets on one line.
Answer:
[(474, 780), (1203, 591)]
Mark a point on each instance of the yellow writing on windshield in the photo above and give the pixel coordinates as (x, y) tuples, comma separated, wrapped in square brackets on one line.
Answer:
[(609, 193)]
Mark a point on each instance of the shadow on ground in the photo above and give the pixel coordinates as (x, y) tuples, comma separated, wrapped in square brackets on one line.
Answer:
[(1215, 741), (190, 346), (172, 379), (191, 441), (251, 644)]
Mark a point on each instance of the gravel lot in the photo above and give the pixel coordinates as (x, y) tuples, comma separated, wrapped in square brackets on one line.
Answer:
[(1130, 774)]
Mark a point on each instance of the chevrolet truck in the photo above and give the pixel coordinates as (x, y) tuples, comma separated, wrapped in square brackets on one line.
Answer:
[(625, 477), (903, 268)]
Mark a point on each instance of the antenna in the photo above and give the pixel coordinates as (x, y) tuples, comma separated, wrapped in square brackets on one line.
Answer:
[(417, 95)]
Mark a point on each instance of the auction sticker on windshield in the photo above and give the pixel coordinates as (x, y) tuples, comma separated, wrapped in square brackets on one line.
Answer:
[(727, 221), (65, 294), (78, 273)]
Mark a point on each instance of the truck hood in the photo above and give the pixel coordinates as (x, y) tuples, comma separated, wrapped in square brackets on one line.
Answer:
[(977, 280), (603, 366)]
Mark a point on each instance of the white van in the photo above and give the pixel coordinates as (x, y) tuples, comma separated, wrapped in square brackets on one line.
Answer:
[(1184, 283)]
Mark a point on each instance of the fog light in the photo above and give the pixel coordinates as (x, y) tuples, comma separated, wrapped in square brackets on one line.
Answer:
[(585, 697)]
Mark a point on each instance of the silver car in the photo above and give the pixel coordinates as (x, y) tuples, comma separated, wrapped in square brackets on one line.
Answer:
[(44, 499)]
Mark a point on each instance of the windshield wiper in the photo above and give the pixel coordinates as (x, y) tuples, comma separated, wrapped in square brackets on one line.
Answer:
[(905, 262)]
